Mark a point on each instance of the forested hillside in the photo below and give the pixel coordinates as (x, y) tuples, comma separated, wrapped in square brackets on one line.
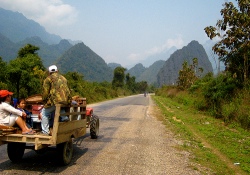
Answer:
[(82, 59), (114, 65), (150, 73), (48, 53), (14, 34), (8, 49), (137, 70), (169, 73), (146, 74)]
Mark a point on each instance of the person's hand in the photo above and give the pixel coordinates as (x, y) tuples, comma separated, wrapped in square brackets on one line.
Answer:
[(40, 116), (24, 115)]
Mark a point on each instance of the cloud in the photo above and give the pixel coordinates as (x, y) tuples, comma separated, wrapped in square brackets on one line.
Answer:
[(176, 42), (49, 13)]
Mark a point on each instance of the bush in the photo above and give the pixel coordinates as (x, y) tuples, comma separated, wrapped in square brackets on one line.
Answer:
[(229, 111), (167, 91), (200, 104), (184, 98), (223, 97), (219, 89), (3, 85)]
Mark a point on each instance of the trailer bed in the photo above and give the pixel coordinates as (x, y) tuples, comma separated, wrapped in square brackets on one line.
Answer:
[(62, 134)]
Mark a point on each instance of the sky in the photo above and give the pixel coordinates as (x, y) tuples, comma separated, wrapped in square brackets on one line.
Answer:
[(123, 31)]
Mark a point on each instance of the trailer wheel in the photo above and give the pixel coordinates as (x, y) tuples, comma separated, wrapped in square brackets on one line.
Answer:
[(65, 152), (15, 151), (94, 127)]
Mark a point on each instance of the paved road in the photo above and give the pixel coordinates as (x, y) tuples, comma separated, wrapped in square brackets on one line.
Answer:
[(132, 141)]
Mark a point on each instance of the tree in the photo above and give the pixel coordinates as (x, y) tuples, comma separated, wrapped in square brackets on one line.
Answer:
[(26, 72), (27, 49), (142, 86), (76, 82), (233, 48), (188, 74), (119, 77), (3, 74), (130, 83)]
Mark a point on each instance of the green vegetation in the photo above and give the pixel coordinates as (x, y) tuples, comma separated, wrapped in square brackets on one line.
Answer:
[(233, 30), (188, 74), (226, 95), (24, 76), (212, 113), (80, 58), (215, 147)]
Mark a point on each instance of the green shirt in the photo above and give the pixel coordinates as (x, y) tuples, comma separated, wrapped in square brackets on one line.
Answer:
[(55, 90)]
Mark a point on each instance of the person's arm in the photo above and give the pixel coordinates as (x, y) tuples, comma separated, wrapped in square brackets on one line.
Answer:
[(46, 89), (13, 110), (40, 116)]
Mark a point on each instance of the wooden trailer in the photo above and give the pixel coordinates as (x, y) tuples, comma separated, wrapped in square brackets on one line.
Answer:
[(61, 137)]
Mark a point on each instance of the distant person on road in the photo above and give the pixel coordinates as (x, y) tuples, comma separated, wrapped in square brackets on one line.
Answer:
[(9, 116), (55, 91)]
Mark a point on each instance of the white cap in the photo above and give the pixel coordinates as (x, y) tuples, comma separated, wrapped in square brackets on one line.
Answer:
[(53, 68)]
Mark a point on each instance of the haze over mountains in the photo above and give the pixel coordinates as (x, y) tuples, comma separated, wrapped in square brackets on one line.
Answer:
[(169, 73), (16, 31), (17, 28), (164, 55)]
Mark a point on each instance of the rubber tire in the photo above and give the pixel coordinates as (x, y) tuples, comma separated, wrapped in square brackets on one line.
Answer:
[(65, 152), (15, 151), (94, 127)]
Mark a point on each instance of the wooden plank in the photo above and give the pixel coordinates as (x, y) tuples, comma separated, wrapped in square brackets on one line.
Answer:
[(39, 144), (63, 137), (65, 127), (67, 106), (56, 122), (76, 110), (26, 139), (72, 113)]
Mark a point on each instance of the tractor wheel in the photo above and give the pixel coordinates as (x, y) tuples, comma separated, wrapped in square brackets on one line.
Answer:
[(94, 127), (65, 152), (15, 151)]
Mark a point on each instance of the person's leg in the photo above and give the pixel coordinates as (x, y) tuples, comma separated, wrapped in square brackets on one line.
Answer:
[(29, 122), (22, 124), (79, 116), (13, 121), (46, 114)]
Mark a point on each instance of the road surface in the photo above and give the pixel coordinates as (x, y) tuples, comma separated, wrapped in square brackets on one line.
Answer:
[(131, 142)]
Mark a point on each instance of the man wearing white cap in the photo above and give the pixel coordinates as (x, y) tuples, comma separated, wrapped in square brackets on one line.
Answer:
[(55, 90)]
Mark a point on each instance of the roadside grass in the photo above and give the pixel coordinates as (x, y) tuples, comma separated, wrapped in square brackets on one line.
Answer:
[(216, 148)]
